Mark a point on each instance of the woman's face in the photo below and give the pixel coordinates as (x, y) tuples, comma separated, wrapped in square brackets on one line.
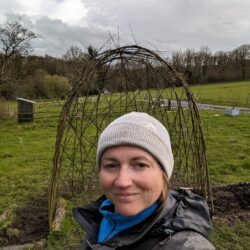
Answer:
[(131, 178)]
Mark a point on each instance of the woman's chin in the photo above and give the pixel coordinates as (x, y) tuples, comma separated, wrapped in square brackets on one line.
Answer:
[(127, 210)]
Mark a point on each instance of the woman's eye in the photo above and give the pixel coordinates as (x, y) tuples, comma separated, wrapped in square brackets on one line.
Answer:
[(140, 164), (109, 166)]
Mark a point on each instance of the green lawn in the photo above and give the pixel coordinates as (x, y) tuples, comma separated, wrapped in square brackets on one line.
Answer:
[(231, 236), (228, 146), (235, 94), (26, 152)]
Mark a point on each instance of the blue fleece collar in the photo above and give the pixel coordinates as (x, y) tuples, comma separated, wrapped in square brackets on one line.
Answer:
[(113, 223)]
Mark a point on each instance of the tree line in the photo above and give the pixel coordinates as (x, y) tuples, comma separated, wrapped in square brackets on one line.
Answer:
[(204, 66), (31, 76)]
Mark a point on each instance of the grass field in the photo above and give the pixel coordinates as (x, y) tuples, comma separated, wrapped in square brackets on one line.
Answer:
[(235, 94), (26, 152), (228, 146)]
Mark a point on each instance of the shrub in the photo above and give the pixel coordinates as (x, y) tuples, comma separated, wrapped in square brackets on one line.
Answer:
[(56, 86)]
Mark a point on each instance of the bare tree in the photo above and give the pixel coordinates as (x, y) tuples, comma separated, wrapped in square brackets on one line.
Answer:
[(222, 64), (75, 60), (92, 52), (194, 62), (242, 54), (205, 54), (177, 60), (14, 39)]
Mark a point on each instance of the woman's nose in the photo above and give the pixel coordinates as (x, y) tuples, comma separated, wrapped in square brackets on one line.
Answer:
[(123, 178)]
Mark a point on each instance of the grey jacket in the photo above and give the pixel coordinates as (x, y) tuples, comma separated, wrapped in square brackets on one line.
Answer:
[(183, 224)]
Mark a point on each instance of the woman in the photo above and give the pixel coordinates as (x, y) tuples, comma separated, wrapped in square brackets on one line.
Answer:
[(138, 210)]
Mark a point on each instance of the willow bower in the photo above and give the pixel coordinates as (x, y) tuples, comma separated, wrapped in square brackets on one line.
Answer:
[(114, 82)]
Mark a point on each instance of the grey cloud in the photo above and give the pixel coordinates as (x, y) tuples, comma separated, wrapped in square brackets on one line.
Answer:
[(165, 24), (174, 24), (57, 36)]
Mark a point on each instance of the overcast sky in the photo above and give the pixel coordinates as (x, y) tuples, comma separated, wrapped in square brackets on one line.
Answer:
[(165, 25)]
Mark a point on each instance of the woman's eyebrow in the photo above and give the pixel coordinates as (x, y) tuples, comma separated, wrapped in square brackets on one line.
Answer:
[(107, 158), (140, 158)]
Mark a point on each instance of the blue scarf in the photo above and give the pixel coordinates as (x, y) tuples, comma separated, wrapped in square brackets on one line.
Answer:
[(113, 223)]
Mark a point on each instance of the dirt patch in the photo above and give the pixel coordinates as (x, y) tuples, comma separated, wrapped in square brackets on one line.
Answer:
[(232, 201), (31, 224)]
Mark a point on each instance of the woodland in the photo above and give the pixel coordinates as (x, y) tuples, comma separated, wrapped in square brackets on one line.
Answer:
[(23, 74)]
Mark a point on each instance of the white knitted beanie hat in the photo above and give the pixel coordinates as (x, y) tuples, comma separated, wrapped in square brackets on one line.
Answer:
[(141, 130)]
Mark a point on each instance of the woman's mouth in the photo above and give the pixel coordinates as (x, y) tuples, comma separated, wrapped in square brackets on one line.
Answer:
[(125, 196)]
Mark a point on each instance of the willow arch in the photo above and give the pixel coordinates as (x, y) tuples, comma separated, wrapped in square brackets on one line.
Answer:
[(117, 81)]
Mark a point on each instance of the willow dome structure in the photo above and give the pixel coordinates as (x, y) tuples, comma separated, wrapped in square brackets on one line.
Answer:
[(117, 81)]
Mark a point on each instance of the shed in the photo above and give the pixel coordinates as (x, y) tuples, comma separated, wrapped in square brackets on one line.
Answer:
[(25, 110)]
